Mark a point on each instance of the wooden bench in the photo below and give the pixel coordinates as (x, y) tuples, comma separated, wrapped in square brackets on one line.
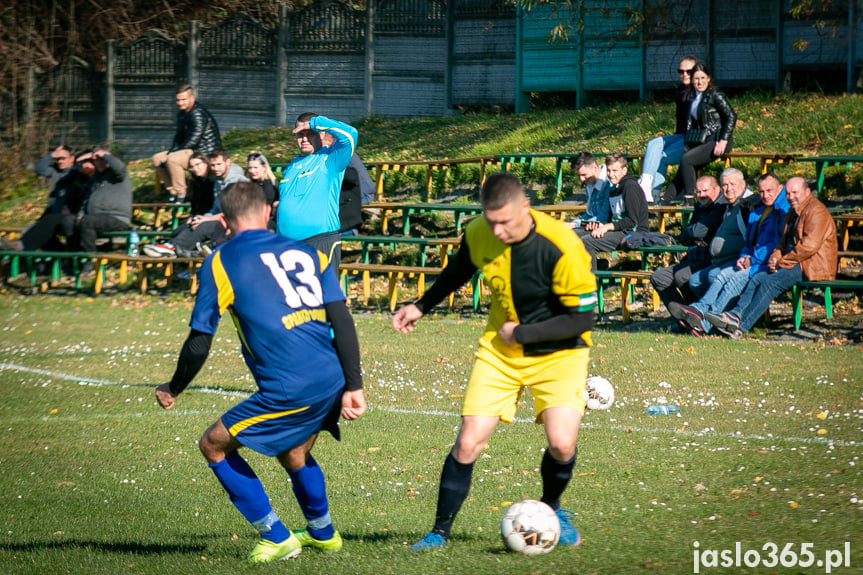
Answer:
[(161, 209), (444, 245), (459, 212), (430, 166), (30, 259), (846, 255), (826, 286), (764, 158), (822, 162), (394, 274), (10, 232), (674, 250), (143, 264), (844, 223), (628, 280), (147, 236)]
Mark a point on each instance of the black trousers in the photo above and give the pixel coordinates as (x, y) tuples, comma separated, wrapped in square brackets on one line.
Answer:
[(687, 173), (44, 231), (89, 226)]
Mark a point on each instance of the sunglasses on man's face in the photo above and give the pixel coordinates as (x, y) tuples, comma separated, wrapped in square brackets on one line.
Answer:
[(682, 71)]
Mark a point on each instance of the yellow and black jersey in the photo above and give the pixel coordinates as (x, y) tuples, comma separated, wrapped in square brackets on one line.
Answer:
[(535, 282)]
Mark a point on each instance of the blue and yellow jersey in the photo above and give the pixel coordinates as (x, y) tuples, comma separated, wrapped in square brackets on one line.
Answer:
[(275, 290), (545, 275), (310, 187)]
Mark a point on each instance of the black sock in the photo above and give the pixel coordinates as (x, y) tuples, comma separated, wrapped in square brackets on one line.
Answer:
[(454, 486), (555, 477)]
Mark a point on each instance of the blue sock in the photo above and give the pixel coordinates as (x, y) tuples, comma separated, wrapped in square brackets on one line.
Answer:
[(310, 489), (248, 496)]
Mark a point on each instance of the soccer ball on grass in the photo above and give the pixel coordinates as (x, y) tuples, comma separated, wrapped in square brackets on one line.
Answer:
[(530, 527), (598, 392)]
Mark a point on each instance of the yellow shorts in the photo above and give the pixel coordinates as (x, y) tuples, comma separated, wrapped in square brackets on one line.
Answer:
[(556, 380)]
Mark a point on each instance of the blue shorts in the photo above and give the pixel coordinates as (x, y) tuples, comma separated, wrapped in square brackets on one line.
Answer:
[(255, 424)]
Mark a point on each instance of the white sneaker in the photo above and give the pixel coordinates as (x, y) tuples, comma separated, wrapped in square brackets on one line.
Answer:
[(205, 249), (646, 183), (165, 250)]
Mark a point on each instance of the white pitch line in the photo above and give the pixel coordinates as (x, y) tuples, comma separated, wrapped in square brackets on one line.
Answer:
[(440, 413)]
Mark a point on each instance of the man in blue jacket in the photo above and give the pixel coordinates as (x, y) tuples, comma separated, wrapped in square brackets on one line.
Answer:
[(763, 230), (309, 192)]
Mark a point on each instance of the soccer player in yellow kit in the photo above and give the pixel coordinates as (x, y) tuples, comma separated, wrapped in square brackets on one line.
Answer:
[(538, 336)]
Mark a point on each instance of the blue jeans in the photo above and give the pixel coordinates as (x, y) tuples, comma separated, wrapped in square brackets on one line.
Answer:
[(761, 290), (699, 282), (661, 152), (729, 284)]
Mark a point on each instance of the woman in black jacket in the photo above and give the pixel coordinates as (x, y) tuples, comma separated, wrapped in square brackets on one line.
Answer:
[(708, 133), (200, 184)]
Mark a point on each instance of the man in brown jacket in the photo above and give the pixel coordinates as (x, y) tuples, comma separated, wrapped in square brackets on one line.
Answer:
[(807, 249)]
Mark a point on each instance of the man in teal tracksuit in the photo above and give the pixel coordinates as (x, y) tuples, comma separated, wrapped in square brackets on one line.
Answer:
[(308, 209)]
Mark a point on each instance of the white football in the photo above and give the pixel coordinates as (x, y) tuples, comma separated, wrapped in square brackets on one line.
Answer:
[(598, 392), (530, 527)]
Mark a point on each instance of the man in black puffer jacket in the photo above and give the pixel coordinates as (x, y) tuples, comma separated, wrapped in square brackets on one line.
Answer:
[(197, 131)]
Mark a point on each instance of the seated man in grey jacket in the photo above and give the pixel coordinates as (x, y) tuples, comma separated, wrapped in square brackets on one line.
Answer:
[(730, 237)]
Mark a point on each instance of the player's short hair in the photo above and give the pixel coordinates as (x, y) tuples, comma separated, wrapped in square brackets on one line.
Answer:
[(240, 198), (185, 88), (615, 158), (582, 160), (499, 189)]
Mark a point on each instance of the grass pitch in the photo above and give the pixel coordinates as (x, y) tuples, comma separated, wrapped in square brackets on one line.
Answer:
[(95, 478)]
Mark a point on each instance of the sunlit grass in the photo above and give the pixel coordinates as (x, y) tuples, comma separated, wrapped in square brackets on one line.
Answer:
[(95, 478)]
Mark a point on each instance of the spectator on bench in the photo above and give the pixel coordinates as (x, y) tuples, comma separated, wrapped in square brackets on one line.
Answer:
[(726, 244), (201, 184), (202, 233), (596, 190), (708, 133), (261, 173), (664, 151), (197, 131), (671, 283), (807, 249), (628, 210), (763, 229), (66, 192), (108, 205)]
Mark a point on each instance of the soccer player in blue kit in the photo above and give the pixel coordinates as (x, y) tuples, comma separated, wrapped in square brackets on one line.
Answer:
[(285, 299), (538, 335)]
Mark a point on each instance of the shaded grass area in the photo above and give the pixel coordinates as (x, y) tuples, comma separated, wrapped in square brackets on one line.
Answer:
[(95, 478)]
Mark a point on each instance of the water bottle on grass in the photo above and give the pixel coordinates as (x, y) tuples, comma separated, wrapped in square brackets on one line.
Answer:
[(662, 409)]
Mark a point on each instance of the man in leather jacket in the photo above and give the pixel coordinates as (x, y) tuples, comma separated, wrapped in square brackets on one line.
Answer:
[(197, 131)]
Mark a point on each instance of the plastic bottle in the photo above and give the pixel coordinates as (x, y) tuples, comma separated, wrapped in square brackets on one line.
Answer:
[(134, 240), (662, 409)]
